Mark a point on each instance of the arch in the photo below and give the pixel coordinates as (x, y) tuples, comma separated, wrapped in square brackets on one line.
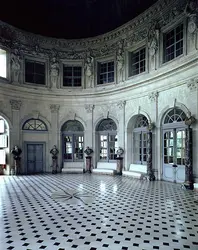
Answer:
[(72, 126), (5, 117), (32, 116), (130, 124), (77, 118), (34, 124), (96, 123), (106, 125), (168, 108)]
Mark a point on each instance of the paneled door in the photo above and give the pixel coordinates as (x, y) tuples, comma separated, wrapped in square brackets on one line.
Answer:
[(174, 155), (34, 158)]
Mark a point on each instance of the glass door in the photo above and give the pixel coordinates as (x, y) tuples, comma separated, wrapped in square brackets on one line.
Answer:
[(174, 154)]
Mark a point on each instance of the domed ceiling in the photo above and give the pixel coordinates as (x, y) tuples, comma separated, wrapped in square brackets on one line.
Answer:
[(71, 18)]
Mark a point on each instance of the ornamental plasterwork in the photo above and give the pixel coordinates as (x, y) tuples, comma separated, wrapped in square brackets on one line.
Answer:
[(132, 32), (153, 96), (121, 104), (192, 84), (15, 104), (54, 108), (89, 108)]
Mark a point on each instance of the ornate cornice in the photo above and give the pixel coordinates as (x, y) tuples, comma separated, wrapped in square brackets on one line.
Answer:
[(54, 108), (89, 108), (15, 104), (132, 32)]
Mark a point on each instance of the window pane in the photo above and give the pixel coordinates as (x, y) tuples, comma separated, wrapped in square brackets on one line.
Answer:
[(173, 43), (105, 72), (138, 62)]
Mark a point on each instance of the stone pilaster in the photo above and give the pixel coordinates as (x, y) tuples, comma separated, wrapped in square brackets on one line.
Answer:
[(89, 131), (15, 134), (55, 133)]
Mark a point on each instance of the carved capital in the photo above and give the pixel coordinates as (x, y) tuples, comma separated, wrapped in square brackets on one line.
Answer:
[(153, 96), (192, 84), (89, 108), (121, 104), (15, 104), (54, 108)]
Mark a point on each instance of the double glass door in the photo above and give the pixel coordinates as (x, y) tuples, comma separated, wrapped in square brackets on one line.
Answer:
[(174, 155)]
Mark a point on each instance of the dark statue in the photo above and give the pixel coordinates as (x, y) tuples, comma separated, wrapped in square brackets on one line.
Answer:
[(54, 152), (16, 152)]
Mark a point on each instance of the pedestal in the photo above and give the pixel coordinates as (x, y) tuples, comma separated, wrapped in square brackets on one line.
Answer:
[(150, 174), (54, 165), (119, 165), (188, 161), (88, 164)]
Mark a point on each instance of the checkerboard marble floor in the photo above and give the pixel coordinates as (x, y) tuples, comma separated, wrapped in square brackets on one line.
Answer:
[(120, 213)]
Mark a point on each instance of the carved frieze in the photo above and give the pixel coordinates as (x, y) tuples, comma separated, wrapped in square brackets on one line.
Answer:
[(54, 108), (89, 108), (15, 104), (133, 31)]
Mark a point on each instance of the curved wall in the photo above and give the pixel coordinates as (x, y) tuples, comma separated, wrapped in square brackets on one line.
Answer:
[(150, 84)]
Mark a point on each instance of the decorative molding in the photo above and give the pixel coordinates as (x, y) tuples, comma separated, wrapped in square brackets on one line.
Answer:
[(89, 108), (121, 104), (153, 96), (132, 32), (54, 108), (192, 84), (15, 104)]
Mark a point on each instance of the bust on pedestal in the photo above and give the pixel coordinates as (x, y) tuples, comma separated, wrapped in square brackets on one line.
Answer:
[(54, 151), (119, 159), (16, 152), (88, 151)]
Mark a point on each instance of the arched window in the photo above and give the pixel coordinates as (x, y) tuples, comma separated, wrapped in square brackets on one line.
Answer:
[(34, 125), (73, 141), (175, 115), (140, 140), (174, 144), (108, 142)]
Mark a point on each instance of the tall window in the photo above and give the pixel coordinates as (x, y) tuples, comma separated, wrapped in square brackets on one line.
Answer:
[(137, 62), (73, 141), (140, 140), (173, 43), (108, 141), (72, 76), (105, 72), (35, 72), (3, 63)]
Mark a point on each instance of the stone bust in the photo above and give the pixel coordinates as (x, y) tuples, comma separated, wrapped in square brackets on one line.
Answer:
[(88, 151), (54, 151), (120, 152), (16, 151)]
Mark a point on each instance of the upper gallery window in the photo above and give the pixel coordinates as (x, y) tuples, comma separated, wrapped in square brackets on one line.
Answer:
[(35, 72), (173, 43), (137, 62), (105, 72), (3, 63), (72, 76)]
